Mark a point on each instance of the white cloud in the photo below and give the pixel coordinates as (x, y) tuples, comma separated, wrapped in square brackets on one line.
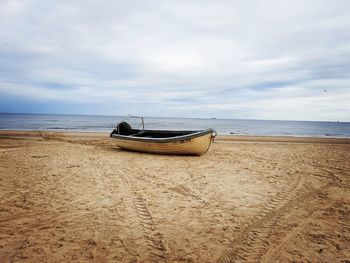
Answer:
[(260, 59)]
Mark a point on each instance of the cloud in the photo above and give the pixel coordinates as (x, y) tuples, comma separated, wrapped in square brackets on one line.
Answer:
[(260, 59)]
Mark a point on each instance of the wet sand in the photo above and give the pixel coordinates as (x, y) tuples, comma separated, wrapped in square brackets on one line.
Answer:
[(77, 198)]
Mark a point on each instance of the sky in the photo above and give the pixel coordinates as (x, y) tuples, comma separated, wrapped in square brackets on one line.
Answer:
[(268, 59)]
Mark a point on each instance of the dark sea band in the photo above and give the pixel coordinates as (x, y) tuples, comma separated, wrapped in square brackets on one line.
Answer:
[(86, 123)]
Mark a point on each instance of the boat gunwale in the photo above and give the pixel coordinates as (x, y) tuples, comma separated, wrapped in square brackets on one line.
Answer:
[(191, 135)]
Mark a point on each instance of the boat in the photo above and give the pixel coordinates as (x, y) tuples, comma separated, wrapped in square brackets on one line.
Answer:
[(179, 142)]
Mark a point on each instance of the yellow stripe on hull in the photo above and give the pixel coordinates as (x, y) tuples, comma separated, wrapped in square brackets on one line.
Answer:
[(193, 146)]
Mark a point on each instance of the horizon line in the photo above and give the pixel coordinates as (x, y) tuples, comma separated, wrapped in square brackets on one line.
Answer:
[(209, 118)]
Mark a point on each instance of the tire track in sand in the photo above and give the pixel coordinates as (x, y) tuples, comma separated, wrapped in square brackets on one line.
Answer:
[(272, 253), (166, 184), (250, 243), (185, 191), (150, 243), (99, 252)]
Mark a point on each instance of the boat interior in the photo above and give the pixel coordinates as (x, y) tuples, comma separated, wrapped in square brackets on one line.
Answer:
[(125, 129)]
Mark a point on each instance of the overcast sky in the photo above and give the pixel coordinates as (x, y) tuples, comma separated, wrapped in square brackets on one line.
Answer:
[(225, 59)]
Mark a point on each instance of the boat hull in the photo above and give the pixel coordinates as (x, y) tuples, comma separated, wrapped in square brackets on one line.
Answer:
[(186, 146)]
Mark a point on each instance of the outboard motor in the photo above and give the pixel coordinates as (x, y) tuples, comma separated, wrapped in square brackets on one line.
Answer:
[(123, 128)]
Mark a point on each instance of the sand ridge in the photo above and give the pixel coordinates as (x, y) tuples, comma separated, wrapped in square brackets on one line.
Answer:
[(78, 198)]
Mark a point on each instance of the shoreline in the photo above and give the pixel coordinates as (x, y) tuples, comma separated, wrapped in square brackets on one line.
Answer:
[(227, 138)]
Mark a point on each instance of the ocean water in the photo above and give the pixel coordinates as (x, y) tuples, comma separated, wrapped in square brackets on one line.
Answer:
[(87, 123)]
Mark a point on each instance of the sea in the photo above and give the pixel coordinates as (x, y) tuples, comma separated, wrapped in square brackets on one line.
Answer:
[(90, 123)]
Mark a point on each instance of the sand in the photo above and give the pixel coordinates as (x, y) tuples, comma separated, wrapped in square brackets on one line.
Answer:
[(68, 197)]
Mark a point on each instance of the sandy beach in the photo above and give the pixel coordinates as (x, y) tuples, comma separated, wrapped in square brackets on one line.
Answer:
[(76, 197)]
